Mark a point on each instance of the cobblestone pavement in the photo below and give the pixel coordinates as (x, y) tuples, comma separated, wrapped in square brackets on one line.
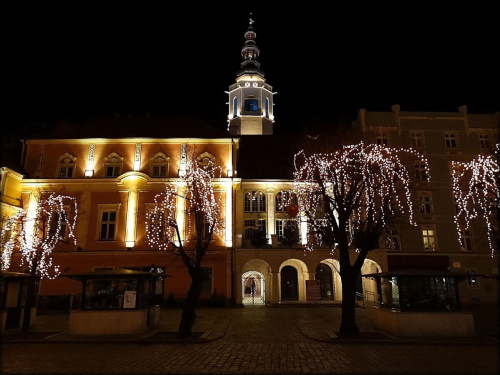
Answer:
[(250, 340)]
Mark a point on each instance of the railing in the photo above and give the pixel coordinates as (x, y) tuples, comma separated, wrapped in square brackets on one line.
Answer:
[(360, 296)]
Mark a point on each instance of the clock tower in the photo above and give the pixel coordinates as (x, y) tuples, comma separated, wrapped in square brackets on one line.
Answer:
[(250, 98)]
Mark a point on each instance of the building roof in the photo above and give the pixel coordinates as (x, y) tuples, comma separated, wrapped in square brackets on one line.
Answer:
[(119, 126)]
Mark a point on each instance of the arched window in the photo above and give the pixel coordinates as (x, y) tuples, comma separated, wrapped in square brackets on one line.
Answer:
[(159, 165), (266, 104), (66, 167), (235, 106), (255, 201), (285, 199), (113, 165)]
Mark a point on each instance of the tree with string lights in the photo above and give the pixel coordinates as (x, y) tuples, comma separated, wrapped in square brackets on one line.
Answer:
[(34, 233), (196, 200), (349, 199), (476, 189)]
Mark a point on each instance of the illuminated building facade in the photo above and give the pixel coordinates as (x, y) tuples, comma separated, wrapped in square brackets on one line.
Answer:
[(114, 166)]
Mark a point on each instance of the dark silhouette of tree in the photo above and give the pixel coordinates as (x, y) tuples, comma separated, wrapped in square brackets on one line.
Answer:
[(34, 233), (351, 197), (203, 209)]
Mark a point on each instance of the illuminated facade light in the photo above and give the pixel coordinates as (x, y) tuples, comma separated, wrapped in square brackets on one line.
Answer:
[(89, 173)]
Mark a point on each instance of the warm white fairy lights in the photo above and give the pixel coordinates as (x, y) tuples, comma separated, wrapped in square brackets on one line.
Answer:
[(201, 201), (358, 187), (476, 190), (36, 233)]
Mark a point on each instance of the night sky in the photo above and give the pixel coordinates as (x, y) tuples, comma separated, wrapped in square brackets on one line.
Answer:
[(323, 61)]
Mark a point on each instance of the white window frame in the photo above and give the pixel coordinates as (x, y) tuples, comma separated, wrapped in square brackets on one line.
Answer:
[(101, 208)]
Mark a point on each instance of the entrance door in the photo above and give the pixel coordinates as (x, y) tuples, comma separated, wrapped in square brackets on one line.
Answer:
[(289, 289), (253, 288), (325, 278)]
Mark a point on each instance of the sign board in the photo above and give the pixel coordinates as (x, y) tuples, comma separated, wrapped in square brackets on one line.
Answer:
[(129, 299)]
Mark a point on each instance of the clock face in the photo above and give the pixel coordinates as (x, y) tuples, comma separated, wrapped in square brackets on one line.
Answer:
[(247, 84), (255, 84)]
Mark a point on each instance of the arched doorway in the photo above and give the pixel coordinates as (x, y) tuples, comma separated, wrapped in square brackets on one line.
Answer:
[(325, 278), (289, 287), (253, 286)]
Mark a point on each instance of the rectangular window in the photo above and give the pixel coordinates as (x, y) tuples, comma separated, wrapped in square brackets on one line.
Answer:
[(417, 139), (206, 230), (484, 141), (392, 240), (160, 171), (472, 280), (66, 172), (251, 105), (261, 225), (279, 229), (63, 232), (381, 139), (429, 237), (250, 223), (450, 140), (465, 240), (112, 171), (108, 226), (425, 203), (420, 171), (206, 287), (157, 222)]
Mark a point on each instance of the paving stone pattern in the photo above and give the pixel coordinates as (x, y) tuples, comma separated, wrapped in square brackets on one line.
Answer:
[(250, 340)]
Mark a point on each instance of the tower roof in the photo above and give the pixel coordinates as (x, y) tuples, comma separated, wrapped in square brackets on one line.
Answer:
[(250, 53)]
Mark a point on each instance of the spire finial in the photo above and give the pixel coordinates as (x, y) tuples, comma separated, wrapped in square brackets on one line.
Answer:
[(250, 20)]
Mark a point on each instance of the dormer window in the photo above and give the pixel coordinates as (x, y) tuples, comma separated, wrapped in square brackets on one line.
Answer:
[(205, 159), (112, 165), (66, 166), (159, 165)]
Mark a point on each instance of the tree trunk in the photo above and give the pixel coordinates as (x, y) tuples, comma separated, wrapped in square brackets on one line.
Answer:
[(30, 302), (348, 327), (189, 312)]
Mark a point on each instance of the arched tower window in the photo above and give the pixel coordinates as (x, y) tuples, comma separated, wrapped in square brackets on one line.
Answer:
[(235, 106), (266, 107)]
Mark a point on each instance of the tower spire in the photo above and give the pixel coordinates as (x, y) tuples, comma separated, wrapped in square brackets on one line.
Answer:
[(250, 52)]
